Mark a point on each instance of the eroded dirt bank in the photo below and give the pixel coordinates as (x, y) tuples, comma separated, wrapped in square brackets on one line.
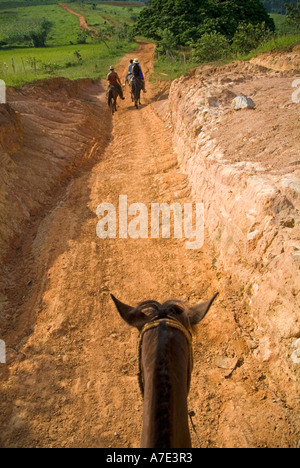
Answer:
[(244, 166), (70, 378), (48, 132)]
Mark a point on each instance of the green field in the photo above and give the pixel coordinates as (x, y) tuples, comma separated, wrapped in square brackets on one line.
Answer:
[(98, 15), (64, 27), (67, 51), (35, 64), (281, 24)]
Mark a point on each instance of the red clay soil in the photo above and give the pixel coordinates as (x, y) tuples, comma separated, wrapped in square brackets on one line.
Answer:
[(70, 378)]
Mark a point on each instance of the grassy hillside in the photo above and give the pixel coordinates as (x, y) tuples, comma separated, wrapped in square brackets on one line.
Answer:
[(98, 14), (67, 51), (73, 62), (63, 30)]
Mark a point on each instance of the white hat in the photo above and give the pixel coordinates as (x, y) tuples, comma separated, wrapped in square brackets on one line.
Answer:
[(136, 60)]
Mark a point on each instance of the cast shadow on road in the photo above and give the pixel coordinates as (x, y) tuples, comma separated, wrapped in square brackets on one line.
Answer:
[(36, 372)]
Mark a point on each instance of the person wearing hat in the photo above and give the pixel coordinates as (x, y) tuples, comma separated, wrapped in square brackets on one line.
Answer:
[(137, 73), (114, 80)]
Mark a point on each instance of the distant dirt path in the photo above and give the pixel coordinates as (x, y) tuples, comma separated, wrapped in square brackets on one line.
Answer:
[(82, 21), (72, 379)]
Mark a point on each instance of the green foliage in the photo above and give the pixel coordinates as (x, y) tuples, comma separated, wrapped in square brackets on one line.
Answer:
[(168, 43), (293, 15), (211, 47), (189, 20), (63, 30), (73, 62), (69, 52), (248, 37), (83, 36), (124, 32)]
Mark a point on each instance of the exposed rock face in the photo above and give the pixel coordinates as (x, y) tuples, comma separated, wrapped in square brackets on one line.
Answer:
[(244, 166), (280, 61)]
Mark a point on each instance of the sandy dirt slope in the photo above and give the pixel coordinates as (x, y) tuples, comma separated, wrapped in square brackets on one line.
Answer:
[(71, 373)]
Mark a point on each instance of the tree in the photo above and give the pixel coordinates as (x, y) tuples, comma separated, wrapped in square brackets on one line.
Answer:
[(167, 43), (39, 35), (211, 47), (248, 37), (294, 14), (188, 20)]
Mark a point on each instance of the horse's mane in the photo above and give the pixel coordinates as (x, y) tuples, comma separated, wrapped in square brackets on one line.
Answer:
[(154, 311)]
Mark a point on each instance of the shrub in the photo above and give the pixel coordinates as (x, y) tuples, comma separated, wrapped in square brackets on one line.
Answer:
[(248, 37), (211, 47), (293, 15), (83, 36), (167, 45)]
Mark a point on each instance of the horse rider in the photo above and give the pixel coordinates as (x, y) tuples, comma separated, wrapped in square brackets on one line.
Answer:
[(137, 73), (129, 74), (114, 80)]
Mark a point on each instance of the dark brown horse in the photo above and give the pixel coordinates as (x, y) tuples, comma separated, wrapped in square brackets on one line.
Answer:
[(136, 88), (112, 97), (165, 367)]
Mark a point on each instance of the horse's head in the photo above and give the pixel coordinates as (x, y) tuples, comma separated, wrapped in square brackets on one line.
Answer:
[(149, 311), (165, 358)]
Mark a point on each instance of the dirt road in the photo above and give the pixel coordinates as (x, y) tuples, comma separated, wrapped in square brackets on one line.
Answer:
[(71, 376), (82, 21)]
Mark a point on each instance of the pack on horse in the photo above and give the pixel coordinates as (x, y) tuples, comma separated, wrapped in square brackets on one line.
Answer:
[(165, 367)]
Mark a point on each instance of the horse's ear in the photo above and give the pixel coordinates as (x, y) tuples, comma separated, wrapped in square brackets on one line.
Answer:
[(198, 312), (131, 315)]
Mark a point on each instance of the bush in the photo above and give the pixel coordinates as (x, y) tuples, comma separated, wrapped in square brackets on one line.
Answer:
[(124, 32), (167, 45), (293, 15), (83, 36), (211, 47), (248, 37)]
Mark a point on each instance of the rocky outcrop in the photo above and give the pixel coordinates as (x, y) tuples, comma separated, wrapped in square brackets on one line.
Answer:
[(245, 170), (280, 61)]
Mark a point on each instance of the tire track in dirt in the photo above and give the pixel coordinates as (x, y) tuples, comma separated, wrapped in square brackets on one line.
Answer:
[(72, 381)]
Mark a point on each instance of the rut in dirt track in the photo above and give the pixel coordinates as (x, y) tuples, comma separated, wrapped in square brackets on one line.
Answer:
[(72, 379)]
